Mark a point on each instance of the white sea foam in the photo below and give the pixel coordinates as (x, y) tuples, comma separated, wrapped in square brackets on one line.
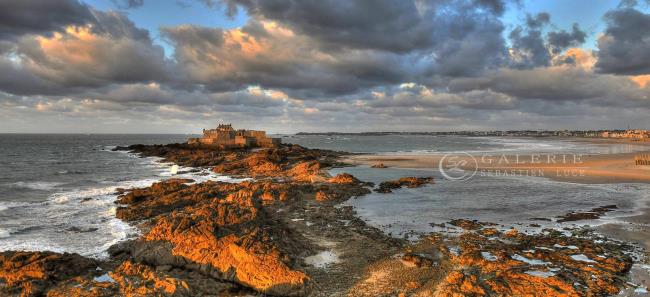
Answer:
[(322, 259), (529, 261), (38, 185), (542, 274), (582, 258), (82, 220), (104, 278), (489, 256)]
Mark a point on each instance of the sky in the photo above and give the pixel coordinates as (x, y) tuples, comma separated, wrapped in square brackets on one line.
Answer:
[(285, 66)]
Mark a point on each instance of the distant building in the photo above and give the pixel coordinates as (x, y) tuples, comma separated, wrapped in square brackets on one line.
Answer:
[(225, 136), (634, 134)]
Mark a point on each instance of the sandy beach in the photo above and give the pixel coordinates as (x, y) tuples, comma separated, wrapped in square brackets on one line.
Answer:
[(588, 169), (605, 168)]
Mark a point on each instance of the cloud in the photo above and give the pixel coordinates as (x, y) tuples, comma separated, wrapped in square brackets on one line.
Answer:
[(107, 51), (560, 84), (576, 57), (40, 17), (318, 48), (314, 65), (128, 4), (447, 31), (273, 56), (530, 48), (561, 40), (624, 48)]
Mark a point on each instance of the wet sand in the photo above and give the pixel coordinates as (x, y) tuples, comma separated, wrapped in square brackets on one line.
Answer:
[(597, 169), (589, 169)]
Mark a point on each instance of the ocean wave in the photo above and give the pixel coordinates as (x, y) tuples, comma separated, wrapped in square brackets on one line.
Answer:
[(39, 185), (6, 205), (4, 233), (55, 223), (64, 172), (81, 194)]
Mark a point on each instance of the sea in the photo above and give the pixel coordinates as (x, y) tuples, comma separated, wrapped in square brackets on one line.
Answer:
[(57, 191)]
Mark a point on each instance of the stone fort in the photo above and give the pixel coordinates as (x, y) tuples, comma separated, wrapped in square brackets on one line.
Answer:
[(225, 136)]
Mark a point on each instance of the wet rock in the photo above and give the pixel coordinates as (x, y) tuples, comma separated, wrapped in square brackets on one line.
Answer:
[(223, 231), (81, 230), (34, 273), (410, 182), (469, 225), (227, 240), (378, 165), (418, 260), (506, 265), (287, 161), (541, 219), (592, 214), (344, 178)]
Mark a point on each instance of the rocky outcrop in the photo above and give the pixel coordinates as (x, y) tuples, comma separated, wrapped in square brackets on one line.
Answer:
[(33, 273), (224, 230), (410, 182), (230, 238), (287, 161), (501, 264), (285, 233), (592, 214)]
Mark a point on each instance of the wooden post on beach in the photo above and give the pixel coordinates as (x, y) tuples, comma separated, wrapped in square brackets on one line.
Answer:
[(642, 159)]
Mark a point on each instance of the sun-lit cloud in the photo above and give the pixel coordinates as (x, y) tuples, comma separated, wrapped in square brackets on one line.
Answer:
[(641, 80), (323, 66)]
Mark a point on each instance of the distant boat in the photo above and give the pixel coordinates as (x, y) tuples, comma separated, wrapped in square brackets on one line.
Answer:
[(174, 169)]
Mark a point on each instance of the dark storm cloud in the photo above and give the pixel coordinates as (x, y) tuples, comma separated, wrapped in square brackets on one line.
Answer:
[(128, 4), (117, 25), (319, 64), (15, 80), (111, 49), (625, 46), (538, 21), (631, 3), (560, 41), (396, 26), (338, 48), (228, 60), (528, 42), (40, 17), (496, 6), (560, 85), (530, 48)]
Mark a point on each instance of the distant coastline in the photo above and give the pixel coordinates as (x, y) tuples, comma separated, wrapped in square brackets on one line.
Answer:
[(513, 133)]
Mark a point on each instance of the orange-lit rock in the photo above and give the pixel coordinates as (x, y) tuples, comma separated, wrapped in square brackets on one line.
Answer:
[(32, 273), (222, 230), (343, 178), (288, 161), (410, 182), (502, 265)]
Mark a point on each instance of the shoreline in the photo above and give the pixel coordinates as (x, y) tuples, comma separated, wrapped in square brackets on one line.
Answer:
[(594, 169), (588, 169), (597, 169), (300, 241)]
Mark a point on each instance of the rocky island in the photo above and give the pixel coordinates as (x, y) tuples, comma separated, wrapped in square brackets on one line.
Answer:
[(284, 232)]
